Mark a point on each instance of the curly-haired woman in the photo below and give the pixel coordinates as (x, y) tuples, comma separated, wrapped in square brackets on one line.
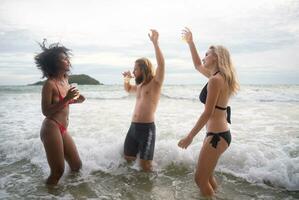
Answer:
[(57, 94)]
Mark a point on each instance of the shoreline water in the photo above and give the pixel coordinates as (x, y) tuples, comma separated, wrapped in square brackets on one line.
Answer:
[(262, 162)]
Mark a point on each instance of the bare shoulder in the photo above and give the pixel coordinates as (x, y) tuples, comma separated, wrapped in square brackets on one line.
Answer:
[(48, 85), (216, 81)]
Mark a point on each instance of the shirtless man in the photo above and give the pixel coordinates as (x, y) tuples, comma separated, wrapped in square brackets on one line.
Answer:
[(142, 133)]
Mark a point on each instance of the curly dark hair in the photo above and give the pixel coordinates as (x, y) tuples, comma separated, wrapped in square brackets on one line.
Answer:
[(47, 61)]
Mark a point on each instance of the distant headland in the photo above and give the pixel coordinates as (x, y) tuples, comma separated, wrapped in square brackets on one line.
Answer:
[(80, 79)]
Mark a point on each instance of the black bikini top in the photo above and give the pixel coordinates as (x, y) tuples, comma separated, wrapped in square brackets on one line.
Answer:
[(203, 97)]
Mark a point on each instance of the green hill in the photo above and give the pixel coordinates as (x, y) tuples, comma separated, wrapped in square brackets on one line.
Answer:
[(81, 79)]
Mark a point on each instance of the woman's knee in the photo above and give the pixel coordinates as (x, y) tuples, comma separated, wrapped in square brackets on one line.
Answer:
[(196, 178), (57, 172), (201, 179), (55, 175), (76, 166), (206, 190), (204, 185), (213, 182)]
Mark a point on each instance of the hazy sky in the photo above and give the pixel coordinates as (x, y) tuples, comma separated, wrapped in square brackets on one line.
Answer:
[(107, 36)]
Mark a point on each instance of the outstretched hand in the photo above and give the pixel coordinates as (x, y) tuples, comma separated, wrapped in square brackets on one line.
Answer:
[(185, 142), (154, 36), (187, 35)]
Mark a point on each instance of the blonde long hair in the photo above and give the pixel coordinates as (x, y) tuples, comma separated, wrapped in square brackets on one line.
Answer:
[(146, 68), (226, 67)]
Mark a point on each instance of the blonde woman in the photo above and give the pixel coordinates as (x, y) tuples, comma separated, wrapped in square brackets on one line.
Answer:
[(217, 67)]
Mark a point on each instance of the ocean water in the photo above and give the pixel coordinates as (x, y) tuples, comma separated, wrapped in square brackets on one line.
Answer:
[(261, 163)]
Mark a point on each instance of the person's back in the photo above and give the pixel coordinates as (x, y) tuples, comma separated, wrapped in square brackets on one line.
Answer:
[(218, 119), (141, 136)]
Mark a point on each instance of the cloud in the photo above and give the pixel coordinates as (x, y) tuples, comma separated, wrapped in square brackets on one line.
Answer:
[(17, 41), (107, 36)]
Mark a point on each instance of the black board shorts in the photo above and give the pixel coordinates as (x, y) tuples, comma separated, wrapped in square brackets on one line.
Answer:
[(141, 139)]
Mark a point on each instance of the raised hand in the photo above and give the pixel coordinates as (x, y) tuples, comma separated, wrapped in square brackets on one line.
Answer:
[(187, 35), (185, 142), (154, 36)]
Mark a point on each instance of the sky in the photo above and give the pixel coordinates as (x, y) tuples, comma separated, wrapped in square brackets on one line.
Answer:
[(107, 36)]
